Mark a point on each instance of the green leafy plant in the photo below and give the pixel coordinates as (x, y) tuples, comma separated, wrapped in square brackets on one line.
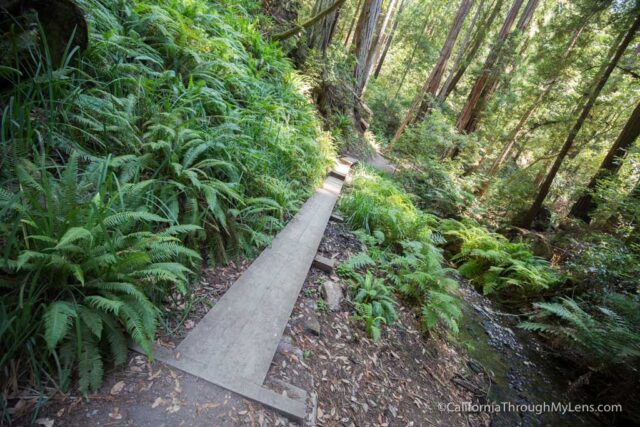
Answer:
[(83, 271), (606, 333), (413, 265), (497, 265)]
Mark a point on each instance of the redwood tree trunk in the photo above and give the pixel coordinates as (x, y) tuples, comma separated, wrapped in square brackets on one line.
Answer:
[(474, 96), (461, 51), (425, 32), (505, 56), (430, 87), (363, 40), (433, 82), (379, 41), (528, 218), (610, 165), (517, 131), (353, 23), (478, 39)]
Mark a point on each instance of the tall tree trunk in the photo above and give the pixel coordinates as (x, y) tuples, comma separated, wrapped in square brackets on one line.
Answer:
[(363, 40), (506, 56), (321, 33), (376, 47), (610, 165), (433, 82), (430, 87), (528, 218), (486, 83), (494, 55), (478, 39), (517, 131), (353, 23), (389, 39), (461, 51)]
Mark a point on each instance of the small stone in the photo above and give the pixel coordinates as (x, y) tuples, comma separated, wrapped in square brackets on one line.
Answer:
[(332, 293), (312, 325), (285, 347)]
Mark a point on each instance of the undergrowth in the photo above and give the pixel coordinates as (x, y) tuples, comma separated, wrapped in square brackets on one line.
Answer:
[(401, 250), (179, 132), (496, 265)]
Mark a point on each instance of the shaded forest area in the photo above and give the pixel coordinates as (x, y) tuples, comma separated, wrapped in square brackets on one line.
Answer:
[(145, 141)]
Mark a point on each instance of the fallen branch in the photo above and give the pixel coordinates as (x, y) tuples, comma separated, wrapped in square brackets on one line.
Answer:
[(309, 22)]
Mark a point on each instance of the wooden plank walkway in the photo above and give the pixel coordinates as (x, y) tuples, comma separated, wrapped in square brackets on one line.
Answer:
[(234, 344)]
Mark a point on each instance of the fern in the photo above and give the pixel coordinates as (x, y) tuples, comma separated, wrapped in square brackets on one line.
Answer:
[(497, 265), (607, 334)]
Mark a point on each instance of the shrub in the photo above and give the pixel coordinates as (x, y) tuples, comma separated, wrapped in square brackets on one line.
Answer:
[(179, 128), (376, 204), (374, 303)]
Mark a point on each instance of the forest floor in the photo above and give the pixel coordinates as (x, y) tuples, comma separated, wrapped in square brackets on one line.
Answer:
[(404, 379)]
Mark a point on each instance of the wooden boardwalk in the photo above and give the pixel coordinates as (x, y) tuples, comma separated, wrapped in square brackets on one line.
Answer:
[(234, 344)]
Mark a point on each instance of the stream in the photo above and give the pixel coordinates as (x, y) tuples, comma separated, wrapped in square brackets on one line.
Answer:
[(519, 371)]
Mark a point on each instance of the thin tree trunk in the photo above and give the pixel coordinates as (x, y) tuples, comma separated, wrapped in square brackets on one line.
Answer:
[(517, 131), (413, 55), (474, 95), (389, 39), (486, 83), (461, 51), (353, 23), (528, 218), (430, 87), (376, 47), (610, 165), (321, 33), (478, 39)]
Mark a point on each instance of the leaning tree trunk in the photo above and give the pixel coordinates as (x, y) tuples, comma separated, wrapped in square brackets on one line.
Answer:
[(517, 131), (389, 39), (377, 44), (528, 218), (478, 39), (430, 87), (494, 55), (461, 51), (506, 56), (363, 40), (610, 165), (321, 33)]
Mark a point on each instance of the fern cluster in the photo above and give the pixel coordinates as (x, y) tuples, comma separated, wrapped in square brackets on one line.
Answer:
[(401, 249), (84, 269), (496, 265), (607, 332)]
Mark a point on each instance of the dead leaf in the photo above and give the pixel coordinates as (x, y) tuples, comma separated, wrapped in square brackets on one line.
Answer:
[(189, 324), (117, 388), (159, 401)]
